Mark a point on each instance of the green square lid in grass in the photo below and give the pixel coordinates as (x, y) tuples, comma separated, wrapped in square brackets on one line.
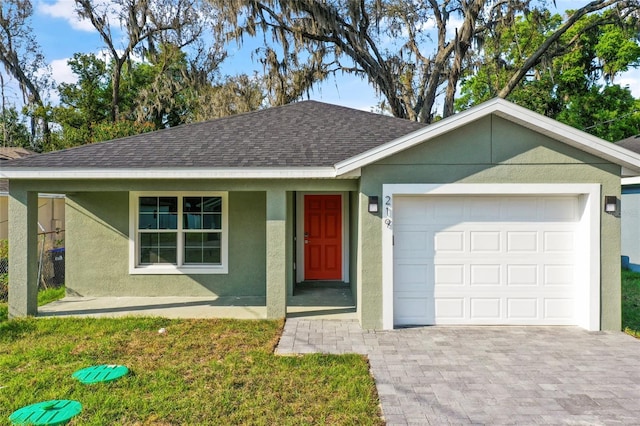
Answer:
[(100, 373), (53, 412)]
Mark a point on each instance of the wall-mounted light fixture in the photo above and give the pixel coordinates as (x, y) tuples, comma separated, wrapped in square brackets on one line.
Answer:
[(373, 204), (611, 205)]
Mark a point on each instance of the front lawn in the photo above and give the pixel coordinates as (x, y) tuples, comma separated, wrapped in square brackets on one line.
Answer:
[(631, 302), (199, 372)]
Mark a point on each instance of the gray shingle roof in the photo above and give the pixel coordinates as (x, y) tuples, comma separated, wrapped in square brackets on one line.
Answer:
[(631, 143), (303, 134)]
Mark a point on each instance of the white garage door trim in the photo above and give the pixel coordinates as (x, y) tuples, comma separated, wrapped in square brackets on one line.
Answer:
[(588, 316)]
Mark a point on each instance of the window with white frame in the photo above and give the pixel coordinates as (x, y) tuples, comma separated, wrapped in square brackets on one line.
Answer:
[(179, 232)]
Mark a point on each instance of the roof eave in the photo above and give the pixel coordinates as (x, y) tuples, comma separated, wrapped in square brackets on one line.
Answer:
[(172, 173), (509, 111)]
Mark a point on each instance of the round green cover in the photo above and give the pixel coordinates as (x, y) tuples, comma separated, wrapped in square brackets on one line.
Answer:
[(100, 373), (53, 412)]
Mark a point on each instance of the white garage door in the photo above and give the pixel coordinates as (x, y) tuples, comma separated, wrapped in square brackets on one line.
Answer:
[(485, 260)]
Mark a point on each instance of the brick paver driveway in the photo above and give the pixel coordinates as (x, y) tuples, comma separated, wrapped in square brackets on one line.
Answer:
[(488, 375)]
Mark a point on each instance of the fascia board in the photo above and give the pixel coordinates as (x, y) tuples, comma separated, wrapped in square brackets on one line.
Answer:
[(190, 173), (511, 112)]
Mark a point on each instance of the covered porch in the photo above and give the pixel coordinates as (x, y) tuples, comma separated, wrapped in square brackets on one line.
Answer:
[(312, 301), (100, 281)]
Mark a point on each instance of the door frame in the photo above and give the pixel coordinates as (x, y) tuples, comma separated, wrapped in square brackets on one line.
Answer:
[(299, 243), (588, 253)]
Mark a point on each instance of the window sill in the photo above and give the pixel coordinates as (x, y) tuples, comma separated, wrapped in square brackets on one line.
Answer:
[(175, 270)]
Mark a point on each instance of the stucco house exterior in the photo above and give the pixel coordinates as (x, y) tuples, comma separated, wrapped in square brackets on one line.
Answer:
[(492, 216)]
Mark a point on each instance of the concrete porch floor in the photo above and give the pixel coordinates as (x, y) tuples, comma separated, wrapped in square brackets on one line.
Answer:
[(309, 301)]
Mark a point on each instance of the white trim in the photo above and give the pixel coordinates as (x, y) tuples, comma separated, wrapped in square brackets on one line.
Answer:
[(631, 180), (344, 199), (511, 112), (174, 173), (135, 269), (589, 194)]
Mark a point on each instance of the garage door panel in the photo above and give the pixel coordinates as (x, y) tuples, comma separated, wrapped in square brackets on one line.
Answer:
[(502, 261), (562, 309), (558, 241), (486, 308), (522, 275), (413, 277), (485, 241), (485, 275), (450, 308), (416, 310), (449, 241), (522, 241), (558, 275), (522, 308), (453, 274)]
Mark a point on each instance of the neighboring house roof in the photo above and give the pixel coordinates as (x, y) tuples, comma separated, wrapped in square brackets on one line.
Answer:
[(304, 139), (631, 143), (12, 152), (303, 134)]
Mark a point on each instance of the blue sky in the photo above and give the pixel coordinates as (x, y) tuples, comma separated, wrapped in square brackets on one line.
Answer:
[(61, 34)]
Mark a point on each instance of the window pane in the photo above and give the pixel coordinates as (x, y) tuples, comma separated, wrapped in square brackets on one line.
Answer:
[(148, 221), (168, 221), (145, 256), (211, 240), (149, 239), (211, 255), (192, 204), (148, 204), (212, 221), (192, 255), (168, 204), (193, 239), (202, 248), (167, 239), (158, 247), (167, 256), (212, 204), (192, 221)]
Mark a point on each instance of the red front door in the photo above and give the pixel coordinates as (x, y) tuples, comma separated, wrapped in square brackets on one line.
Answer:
[(322, 237)]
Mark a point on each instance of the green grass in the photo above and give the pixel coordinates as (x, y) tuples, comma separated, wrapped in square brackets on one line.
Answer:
[(631, 302), (44, 297), (50, 295), (199, 372)]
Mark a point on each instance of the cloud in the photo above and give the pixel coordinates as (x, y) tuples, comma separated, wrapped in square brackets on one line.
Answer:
[(631, 79), (61, 71), (66, 10)]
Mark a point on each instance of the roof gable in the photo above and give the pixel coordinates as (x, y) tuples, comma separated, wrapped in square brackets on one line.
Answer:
[(508, 111)]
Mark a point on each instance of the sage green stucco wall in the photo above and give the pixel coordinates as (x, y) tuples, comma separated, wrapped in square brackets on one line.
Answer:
[(491, 150), (97, 251)]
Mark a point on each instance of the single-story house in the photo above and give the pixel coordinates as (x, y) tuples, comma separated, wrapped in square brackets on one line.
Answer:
[(495, 215), (50, 206), (630, 209)]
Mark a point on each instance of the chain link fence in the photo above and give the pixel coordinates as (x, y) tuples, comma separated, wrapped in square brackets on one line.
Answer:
[(51, 259)]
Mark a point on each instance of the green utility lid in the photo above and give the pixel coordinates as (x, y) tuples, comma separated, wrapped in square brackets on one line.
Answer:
[(100, 373), (53, 412)]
